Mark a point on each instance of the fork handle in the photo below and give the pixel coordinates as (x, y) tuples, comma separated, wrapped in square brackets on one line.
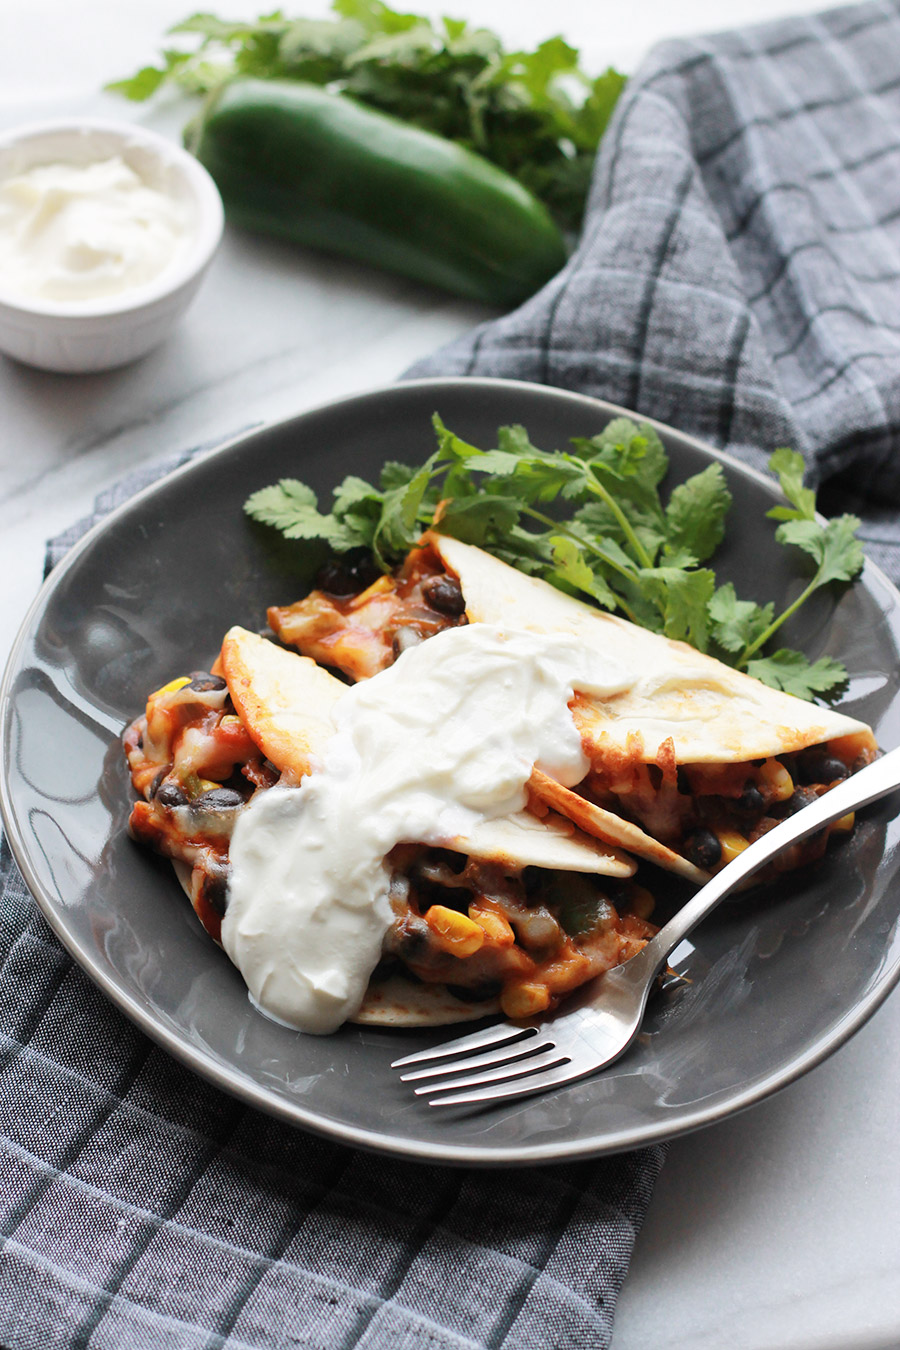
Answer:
[(874, 781)]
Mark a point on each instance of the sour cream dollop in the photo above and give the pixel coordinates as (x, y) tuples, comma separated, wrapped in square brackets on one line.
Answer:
[(443, 739), (80, 232)]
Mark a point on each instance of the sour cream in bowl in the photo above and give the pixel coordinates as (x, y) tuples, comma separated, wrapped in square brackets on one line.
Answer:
[(106, 231)]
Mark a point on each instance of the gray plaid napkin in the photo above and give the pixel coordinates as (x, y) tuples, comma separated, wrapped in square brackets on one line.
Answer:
[(736, 277)]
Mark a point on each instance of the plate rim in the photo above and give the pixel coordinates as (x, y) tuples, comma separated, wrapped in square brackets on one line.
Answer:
[(231, 1081)]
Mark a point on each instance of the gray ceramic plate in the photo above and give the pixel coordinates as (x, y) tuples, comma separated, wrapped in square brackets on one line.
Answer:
[(778, 979)]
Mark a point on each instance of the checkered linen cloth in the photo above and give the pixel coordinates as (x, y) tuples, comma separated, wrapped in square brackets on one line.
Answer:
[(736, 277)]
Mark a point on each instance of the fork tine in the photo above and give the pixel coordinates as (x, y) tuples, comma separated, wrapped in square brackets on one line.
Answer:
[(478, 1040), (509, 1051), (520, 1087), (519, 1068)]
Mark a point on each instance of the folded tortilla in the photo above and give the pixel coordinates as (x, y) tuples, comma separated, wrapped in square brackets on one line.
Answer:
[(710, 713)]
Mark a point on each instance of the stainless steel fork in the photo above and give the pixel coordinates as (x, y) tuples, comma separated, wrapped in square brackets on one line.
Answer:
[(599, 1021)]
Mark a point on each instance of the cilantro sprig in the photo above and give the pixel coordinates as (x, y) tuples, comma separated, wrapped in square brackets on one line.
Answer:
[(536, 114), (591, 520)]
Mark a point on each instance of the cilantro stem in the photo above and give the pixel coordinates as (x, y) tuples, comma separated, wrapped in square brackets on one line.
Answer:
[(560, 528), (753, 647), (594, 485)]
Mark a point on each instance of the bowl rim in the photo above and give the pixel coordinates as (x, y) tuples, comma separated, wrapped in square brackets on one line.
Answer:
[(207, 230)]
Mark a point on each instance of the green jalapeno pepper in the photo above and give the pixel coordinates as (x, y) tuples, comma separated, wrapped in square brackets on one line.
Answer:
[(317, 168)]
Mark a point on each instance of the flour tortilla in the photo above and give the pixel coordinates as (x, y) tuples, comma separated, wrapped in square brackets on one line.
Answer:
[(711, 713), (400, 1001), (607, 825)]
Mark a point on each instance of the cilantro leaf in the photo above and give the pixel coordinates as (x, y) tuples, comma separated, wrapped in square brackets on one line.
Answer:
[(395, 474), (683, 598), (696, 513), (352, 493), (795, 674), (478, 518), (736, 623), (789, 467), (629, 450), (833, 545), (646, 524), (142, 85), (450, 446), (543, 478), (292, 507), (399, 526), (572, 569)]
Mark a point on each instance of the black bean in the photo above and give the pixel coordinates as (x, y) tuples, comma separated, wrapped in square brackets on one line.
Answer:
[(684, 782), (349, 574), (214, 887), (455, 861), (218, 799), (817, 766), (204, 683), (413, 941), (445, 595), (531, 879), (435, 887), (404, 638), (751, 800), (703, 849), (476, 993), (170, 794), (802, 796), (336, 579)]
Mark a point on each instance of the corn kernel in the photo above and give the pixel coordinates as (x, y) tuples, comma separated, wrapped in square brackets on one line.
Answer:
[(379, 587), (456, 933), (495, 926), (777, 780), (566, 973), (172, 686), (230, 720), (845, 824), (732, 844), (526, 998), (207, 785)]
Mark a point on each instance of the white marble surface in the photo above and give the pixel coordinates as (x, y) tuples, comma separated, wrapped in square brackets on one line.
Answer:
[(776, 1230)]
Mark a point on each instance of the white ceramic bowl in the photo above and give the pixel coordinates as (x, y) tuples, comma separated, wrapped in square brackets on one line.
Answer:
[(90, 335)]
